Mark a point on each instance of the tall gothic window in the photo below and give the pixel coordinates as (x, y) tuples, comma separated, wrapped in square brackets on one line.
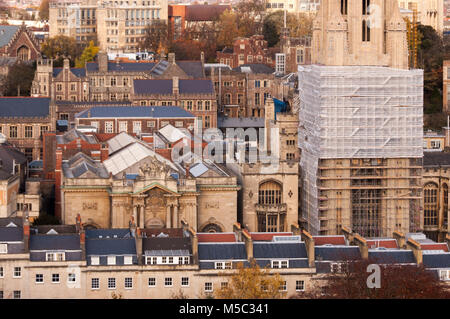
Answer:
[(445, 189), (430, 205), (365, 7), (344, 7), (269, 193), (23, 53), (365, 31)]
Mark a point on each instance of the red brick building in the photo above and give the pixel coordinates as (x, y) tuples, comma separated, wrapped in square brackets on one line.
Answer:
[(247, 51)]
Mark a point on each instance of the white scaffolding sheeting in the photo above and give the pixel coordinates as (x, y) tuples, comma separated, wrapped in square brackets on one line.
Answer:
[(356, 112)]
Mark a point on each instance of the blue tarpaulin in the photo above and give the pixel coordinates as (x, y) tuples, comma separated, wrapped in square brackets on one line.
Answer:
[(280, 107)]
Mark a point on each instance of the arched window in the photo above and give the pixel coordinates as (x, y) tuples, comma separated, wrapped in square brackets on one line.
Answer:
[(430, 205), (23, 53), (445, 190), (269, 193), (365, 31)]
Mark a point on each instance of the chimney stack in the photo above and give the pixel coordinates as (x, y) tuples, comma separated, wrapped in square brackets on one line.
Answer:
[(310, 245), (416, 249), (78, 223), (194, 243), (202, 57), (138, 241), (238, 231), (248, 244), (66, 64), (175, 85), (132, 226), (400, 238), (83, 243), (171, 58), (295, 229), (26, 233), (362, 244), (102, 61), (104, 152)]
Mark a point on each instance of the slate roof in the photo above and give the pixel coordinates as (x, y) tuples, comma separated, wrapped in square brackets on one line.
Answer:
[(135, 112), (279, 250), (193, 69), (78, 72), (337, 253), (391, 256), (24, 107), (257, 68), (441, 260), (165, 243), (240, 122), (7, 32), (105, 233), (55, 242), (436, 159), (122, 66), (60, 229), (111, 246), (6, 220), (222, 251), (386, 243), (9, 155), (74, 134), (164, 86), (8, 234)]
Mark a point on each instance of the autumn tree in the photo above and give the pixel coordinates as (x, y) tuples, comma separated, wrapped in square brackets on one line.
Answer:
[(88, 55), (59, 47), (250, 15), (44, 10), (186, 49), (227, 29), (19, 79), (252, 283), (397, 282), (299, 25), (156, 37)]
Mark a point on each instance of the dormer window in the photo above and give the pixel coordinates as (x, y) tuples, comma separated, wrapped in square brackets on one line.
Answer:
[(3, 248), (95, 260), (111, 260), (223, 265), (128, 260), (55, 256), (280, 264)]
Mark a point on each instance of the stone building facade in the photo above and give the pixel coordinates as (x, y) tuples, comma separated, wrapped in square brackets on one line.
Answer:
[(24, 121), (446, 91), (19, 42)]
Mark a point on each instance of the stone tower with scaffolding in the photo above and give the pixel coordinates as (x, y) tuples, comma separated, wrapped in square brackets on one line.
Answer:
[(360, 123)]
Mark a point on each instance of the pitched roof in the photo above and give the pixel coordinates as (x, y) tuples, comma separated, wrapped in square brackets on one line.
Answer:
[(122, 66), (171, 232), (55, 242), (337, 253), (110, 246), (8, 156), (164, 86), (74, 134), (221, 251), (329, 240), (392, 256), (435, 246), (440, 260), (192, 68), (11, 234), (216, 237), (267, 236), (24, 107), (78, 72), (240, 122), (435, 159), (166, 243), (135, 112), (7, 33), (257, 68), (279, 250)]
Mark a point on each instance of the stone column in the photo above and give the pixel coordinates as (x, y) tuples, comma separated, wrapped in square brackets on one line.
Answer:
[(168, 217), (175, 216), (135, 213)]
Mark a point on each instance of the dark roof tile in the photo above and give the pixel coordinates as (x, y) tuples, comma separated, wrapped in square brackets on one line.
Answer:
[(24, 107)]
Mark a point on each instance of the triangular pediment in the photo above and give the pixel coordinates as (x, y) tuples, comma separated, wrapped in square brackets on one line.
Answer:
[(153, 186)]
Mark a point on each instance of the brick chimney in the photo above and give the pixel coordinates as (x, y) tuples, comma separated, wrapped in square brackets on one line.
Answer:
[(416, 249), (175, 85), (102, 61), (104, 152), (248, 244), (310, 245), (83, 243), (138, 240), (78, 223), (194, 245), (171, 58)]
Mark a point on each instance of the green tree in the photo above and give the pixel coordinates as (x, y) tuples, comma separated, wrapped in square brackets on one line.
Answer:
[(44, 10), (252, 283), (298, 26), (88, 55), (270, 32)]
